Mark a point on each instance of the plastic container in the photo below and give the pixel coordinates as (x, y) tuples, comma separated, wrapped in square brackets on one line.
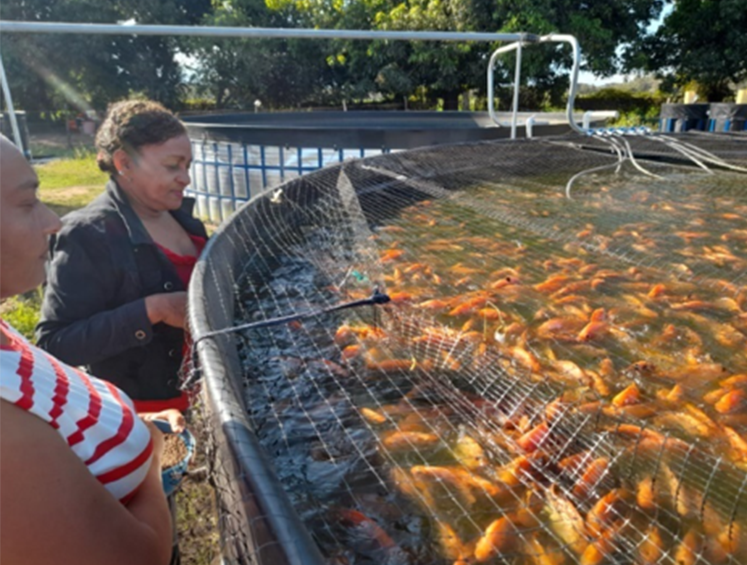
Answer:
[(726, 116), (172, 477), (683, 117)]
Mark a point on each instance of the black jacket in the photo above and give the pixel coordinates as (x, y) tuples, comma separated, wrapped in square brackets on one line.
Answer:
[(104, 264)]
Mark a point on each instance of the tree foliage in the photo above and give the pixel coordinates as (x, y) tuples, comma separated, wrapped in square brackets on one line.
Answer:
[(47, 71), (702, 41), (447, 69), (278, 72)]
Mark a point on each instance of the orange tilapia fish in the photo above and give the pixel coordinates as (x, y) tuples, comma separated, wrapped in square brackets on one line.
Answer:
[(373, 416), (398, 440), (452, 545), (501, 536), (368, 537), (391, 255), (652, 357), (566, 521)]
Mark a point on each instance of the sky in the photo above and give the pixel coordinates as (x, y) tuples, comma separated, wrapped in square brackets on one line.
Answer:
[(585, 77)]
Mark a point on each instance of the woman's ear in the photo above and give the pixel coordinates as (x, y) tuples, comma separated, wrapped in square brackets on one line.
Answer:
[(122, 161)]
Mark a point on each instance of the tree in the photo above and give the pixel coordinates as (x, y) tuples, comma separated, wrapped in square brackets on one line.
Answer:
[(50, 71), (279, 72), (447, 69), (702, 41)]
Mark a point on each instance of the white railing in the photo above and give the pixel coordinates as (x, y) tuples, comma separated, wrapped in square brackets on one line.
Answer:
[(517, 46)]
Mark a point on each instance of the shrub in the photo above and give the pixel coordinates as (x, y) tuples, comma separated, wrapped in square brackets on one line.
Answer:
[(23, 312), (635, 108)]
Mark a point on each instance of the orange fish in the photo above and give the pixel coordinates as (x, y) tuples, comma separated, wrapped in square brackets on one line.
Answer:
[(552, 283), (372, 416), (630, 395), (501, 536), (391, 255), (369, 538), (732, 401), (592, 478), (398, 440)]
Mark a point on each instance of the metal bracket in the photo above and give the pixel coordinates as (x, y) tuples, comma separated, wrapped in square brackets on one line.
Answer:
[(517, 46)]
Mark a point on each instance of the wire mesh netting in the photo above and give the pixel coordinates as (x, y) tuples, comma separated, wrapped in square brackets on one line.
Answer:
[(560, 376)]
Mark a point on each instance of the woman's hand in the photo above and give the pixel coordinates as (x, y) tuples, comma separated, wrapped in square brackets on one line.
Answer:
[(156, 437), (169, 308), (172, 416)]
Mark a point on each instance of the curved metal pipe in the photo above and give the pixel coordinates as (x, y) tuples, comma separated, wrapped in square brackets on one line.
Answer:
[(491, 83), (564, 38)]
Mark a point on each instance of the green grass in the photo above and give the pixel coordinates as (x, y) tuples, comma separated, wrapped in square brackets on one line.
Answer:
[(22, 312), (65, 173), (69, 184)]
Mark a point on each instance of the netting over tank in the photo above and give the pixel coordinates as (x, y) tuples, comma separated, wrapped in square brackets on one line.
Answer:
[(560, 376)]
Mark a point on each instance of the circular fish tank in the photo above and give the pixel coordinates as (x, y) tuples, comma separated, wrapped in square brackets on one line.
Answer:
[(558, 375)]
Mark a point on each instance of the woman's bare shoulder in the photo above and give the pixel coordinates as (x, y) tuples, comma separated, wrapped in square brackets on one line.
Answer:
[(44, 483)]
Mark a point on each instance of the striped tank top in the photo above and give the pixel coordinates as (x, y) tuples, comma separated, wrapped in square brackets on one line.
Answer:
[(97, 420)]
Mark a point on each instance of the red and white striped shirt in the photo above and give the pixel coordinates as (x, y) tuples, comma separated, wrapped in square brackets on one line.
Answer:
[(96, 419)]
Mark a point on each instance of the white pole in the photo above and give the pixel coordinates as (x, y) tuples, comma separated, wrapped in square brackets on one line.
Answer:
[(517, 82), (219, 31), (491, 84), (11, 109)]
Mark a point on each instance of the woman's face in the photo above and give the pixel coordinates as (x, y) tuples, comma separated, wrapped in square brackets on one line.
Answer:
[(25, 224), (157, 176)]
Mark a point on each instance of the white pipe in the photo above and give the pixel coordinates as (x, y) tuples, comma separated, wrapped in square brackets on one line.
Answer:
[(574, 73), (529, 125), (218, 31), (491, 87), (517, 83), (597, 115), (553, 37), (11, 109)]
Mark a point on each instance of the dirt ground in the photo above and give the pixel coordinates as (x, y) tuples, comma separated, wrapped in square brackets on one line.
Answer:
[(197, 522)]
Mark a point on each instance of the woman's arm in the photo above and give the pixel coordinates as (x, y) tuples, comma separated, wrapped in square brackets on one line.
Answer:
[(78, 324), (55, 511)]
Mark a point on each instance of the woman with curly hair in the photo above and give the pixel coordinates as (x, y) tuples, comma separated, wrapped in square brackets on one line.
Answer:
[(116, 287)]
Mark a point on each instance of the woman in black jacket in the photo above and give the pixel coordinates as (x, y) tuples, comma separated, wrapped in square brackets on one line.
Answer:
[(116, 288)]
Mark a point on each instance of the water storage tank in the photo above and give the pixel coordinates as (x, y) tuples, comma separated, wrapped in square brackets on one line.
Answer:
[(725, 116), (237, 156), (683, 117)]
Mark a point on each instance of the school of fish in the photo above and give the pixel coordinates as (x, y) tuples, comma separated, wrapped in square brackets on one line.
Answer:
[(573, 376)]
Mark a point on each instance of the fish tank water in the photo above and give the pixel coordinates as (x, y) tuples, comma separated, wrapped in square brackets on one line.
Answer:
[(558, 375)]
